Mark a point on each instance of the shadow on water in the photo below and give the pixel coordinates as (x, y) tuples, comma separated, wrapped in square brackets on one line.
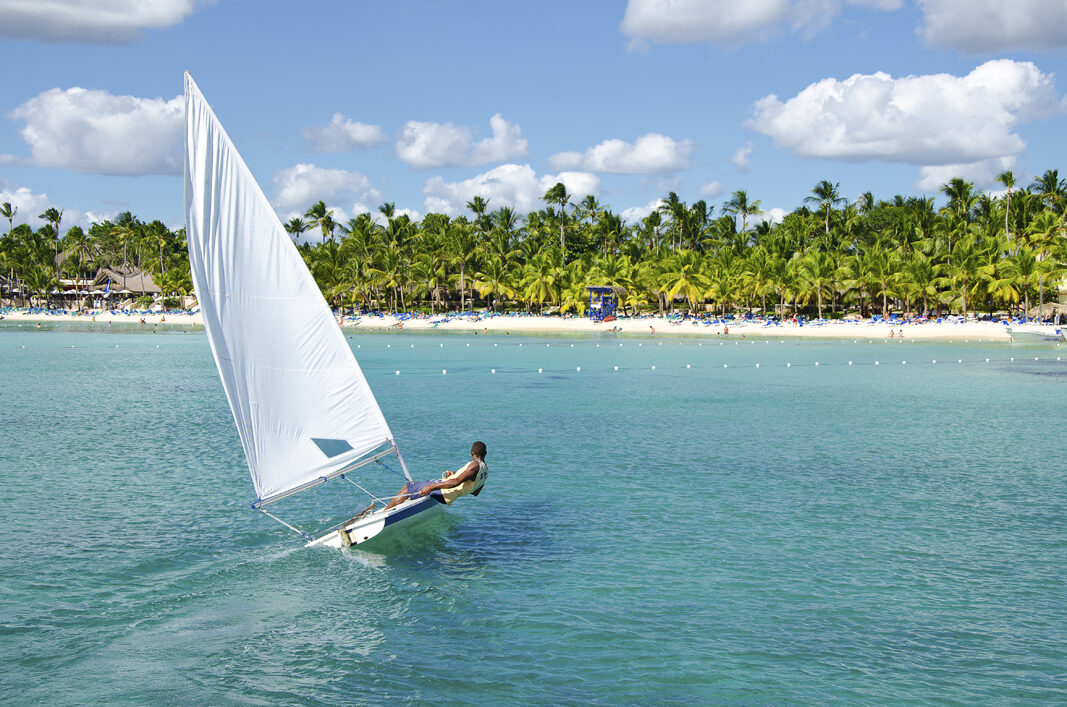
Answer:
[(513, 532)]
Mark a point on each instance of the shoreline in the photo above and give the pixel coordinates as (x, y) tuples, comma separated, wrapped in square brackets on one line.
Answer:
[(536, 324)]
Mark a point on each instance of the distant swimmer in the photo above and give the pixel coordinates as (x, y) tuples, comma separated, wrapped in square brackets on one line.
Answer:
[(453, 485)]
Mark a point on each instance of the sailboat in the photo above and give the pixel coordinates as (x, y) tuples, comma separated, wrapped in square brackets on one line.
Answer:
[(304, 412)]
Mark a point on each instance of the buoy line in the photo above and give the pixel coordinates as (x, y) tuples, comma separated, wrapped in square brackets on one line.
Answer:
[(728, 366)]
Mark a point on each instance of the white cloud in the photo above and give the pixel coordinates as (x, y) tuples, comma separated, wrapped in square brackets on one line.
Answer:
[(635, 214), (101, 133), (431, 145), (937, 119), (986, 26), (710, 190), (651, 153), (740, 157), (298, 187), (89, 20), (343, 135), (513, 185), (730, 23), (982, 173), (775, 215), (28, 203)]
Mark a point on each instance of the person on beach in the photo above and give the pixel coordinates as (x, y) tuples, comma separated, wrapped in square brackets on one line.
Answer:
[(468, 480), (652, 329)]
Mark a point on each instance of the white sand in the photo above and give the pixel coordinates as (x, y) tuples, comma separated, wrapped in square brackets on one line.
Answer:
[(969, 331)]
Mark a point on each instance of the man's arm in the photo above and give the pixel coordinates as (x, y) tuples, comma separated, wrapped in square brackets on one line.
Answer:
[(466, 473)]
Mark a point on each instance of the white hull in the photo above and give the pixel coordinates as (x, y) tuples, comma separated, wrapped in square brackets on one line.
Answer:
[(359, 531), (1036, 334)]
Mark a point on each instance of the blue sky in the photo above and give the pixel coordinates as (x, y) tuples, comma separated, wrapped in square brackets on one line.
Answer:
[(428, 103)]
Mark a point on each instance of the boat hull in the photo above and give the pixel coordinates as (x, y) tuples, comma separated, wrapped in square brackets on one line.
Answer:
[(1036, 334), (361, 530)]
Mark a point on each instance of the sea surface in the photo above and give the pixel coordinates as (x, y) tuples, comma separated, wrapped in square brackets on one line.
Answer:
[(670, 524)]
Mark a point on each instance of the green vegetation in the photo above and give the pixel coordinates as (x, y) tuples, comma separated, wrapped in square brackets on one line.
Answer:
[(978, 252)]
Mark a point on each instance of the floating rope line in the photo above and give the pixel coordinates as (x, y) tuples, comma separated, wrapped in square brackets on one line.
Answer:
[(726, 365)]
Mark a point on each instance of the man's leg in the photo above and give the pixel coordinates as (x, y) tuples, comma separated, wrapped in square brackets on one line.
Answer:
[(400, 497)]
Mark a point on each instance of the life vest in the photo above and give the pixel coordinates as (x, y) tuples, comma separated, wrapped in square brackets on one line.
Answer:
[(470, 486)]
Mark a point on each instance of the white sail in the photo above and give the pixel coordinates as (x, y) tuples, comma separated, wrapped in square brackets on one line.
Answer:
[(302, 406)]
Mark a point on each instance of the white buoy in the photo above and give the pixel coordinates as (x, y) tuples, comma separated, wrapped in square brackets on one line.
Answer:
[(1035, 358), (492, 370), (934, 361), (653, 368), (788, 365), (757, 365), (444, 371), (724, 365), (538, 370), (686, 365), (850, 363), (903, 363), (398, 373), (816, 363), (388, 346), (413, 346), (616, 368), (579, 369), (876, 363)]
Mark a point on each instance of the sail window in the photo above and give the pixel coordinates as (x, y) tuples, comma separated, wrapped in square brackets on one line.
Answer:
[(332, 447)]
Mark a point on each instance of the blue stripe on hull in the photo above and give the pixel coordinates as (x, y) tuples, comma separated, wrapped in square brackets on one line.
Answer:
[(410, 511)]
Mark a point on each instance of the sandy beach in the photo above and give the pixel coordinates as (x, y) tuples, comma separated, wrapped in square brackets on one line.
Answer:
[(644, 326)]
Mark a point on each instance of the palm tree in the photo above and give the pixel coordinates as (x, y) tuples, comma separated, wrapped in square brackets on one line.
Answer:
[(739, 205), (492, 281), (462, 248), (8, 211), (295, 226), (1008, 180), (478, 206), (322, 217), (53, 216), (960, 197), (558, 195), (817, 268), (827, 196), (1051, 189), (1022, 271), (79, 248), (683, 274)]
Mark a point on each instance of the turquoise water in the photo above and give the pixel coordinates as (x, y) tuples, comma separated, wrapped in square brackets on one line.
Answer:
[(854, 533)]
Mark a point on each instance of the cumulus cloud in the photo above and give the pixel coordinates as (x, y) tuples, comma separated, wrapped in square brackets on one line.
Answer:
[(513, 185), (432, 145), (651, 153), (298, 187), (729, 23), (343, 135), (936, 119), (635, 214), (101, 21), (710, 190), (101, 133), (775, 215), (983, 172), (986, 26), (28, 203), (740, 157)]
